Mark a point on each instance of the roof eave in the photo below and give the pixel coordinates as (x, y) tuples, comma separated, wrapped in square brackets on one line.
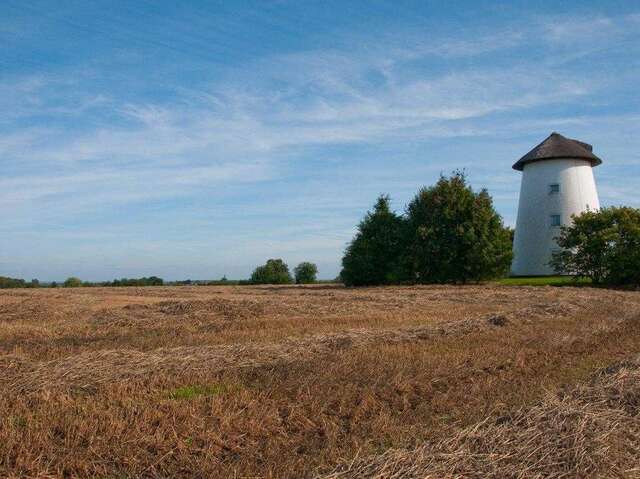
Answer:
[(519, 165)]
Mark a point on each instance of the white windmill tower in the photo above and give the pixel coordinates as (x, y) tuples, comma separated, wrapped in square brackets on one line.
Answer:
[(557, 182)]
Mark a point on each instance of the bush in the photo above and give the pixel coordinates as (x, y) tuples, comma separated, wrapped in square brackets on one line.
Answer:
[(72, 282), (305, 273), (372, 256), (454, 235), (274, 271), (601, 245)]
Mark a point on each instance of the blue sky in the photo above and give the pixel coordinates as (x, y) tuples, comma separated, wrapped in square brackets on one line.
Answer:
[(195, 139)]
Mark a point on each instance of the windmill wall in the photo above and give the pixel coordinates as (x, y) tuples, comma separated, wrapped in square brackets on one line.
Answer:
[(540, 204)]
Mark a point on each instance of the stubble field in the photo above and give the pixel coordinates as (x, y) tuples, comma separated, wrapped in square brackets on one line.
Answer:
[(321, 381)]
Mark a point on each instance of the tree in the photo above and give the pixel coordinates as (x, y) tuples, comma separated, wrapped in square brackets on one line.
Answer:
[(601, 245), (454, 235), (305, 273), (274, 271), (372, 256), (72, 282), (153, 281)]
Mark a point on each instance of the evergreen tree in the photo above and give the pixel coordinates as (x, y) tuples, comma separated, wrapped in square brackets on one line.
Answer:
[(372, 256), (454, 235)]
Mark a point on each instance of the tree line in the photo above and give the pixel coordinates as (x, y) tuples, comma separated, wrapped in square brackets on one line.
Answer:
[(448, 234), (274, 271), (74, 282), (6, 283)]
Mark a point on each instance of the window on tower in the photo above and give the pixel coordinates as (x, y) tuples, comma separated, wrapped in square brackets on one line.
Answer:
[(554, 188), (555, 220)]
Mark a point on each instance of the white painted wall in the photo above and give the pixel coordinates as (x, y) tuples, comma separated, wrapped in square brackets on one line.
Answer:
[(534, 236)]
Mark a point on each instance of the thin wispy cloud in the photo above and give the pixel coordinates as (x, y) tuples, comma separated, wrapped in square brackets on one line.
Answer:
[(591, 29), (270, 143)]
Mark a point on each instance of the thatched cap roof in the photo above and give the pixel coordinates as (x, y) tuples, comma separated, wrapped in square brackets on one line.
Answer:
[(557, 146)]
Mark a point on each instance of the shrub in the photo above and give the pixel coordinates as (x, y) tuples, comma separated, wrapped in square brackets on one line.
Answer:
[(601, 245), (72, 282), (372, 256), (454, 235), (274, 271), (305, 273)]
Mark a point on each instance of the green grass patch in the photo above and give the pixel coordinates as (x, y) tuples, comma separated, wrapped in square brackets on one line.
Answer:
[(18, 421), (543, 281), (191, 392)]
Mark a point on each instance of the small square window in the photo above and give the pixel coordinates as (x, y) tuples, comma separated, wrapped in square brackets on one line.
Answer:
[(554, 188), (555, 220)]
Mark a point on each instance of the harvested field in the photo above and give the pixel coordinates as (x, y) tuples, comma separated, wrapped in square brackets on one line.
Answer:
[(313, 381), (592, 430)]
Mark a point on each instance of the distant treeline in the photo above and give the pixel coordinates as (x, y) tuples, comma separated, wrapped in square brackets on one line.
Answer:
[(74, 282), (6, 283), (208, 282), (150, 281)]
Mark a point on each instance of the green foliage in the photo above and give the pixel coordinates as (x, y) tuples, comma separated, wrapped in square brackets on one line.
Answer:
[(18, 421), (306, 273), (372, 256), (72, 282), (512, 234), (450, 234), (454, 235), (601, 245), (150, 281), (6, 283), (274, 271)]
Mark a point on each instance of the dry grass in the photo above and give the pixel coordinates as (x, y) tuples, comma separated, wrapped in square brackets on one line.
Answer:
[(290, 381), (592, 430), (86, 371)]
